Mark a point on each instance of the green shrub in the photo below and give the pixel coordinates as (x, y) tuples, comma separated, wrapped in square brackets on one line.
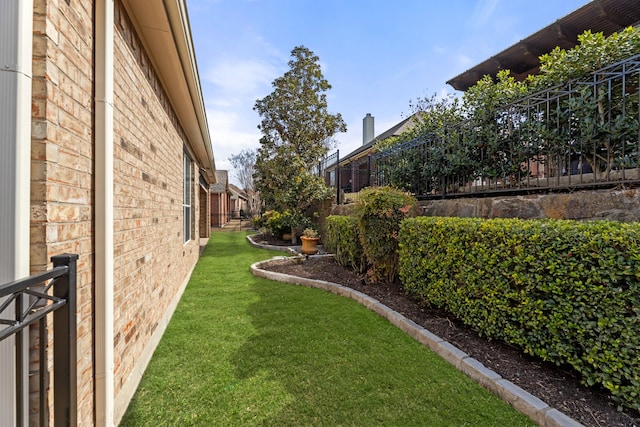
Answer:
[(342, 240), (278, 223), (566, 291), (380, 211)]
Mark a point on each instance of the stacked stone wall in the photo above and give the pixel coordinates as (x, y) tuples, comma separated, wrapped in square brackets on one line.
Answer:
[(615, 204), (618, 204)]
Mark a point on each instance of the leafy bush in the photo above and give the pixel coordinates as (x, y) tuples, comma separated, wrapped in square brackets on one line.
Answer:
[(566, 291), (380, 211), (278, 223), (342, 240)]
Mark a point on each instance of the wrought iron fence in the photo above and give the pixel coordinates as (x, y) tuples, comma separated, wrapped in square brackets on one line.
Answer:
[(581, 134), (327, 169), (328, 161), (27, 302)]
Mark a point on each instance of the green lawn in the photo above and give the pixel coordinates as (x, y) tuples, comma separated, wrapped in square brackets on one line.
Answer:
[(244, 351)]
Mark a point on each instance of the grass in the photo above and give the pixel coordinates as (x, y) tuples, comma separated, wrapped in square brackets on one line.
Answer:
[(244, 351)]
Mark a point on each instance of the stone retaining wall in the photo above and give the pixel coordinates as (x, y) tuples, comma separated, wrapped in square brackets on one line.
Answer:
[(620, 205), (617, 204)]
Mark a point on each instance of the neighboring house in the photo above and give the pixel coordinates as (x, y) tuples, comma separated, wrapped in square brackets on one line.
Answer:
[(227, 200), (105, 153), (356, 167), (220, 200), (239, 202)]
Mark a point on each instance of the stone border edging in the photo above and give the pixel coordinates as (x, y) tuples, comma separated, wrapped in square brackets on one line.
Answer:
[(523, 401), (287, 249)]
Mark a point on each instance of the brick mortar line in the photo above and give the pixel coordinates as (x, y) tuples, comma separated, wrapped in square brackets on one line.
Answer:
[(520, 399)]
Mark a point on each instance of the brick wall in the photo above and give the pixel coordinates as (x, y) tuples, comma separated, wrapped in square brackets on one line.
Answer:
[(151, 259), (205, 213), (62, 160), (219, 209)]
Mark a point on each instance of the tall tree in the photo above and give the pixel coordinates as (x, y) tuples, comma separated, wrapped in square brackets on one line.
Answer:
[(244, 165), (296, 129)]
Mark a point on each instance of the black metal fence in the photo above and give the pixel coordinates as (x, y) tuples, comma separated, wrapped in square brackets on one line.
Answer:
[(30, 300), (583, 134), (328, 169)]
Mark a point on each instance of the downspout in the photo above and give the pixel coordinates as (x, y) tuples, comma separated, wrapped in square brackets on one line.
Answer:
[(103, 80), (16, 50), (20, 74)]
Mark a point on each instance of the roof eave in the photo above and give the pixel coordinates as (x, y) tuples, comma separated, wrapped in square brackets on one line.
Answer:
[(607, 16), (163, 27)]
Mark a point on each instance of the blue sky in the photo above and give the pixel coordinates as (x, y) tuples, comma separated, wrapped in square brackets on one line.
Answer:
[(377, 54)]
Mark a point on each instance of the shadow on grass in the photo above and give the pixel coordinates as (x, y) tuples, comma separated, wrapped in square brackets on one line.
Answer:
[(228, 244), (244, 351), (333, 362)]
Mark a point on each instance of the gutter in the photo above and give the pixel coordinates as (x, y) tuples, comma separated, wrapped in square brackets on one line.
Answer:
[(166, 36), (179, 22), (103, 206)]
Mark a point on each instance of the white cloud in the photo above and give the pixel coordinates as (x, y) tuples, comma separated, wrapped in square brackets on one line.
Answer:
[(483, 13), (464, 61), (445, 92), (230, 134), (410, 69), (439, 50), (241, 76), (232, 86)]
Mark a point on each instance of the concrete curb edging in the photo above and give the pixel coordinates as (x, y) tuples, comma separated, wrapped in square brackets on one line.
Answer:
[(523, 401), (270, 247)]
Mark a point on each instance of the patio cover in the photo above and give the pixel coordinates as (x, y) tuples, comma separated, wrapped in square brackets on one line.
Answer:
[(606, 16)]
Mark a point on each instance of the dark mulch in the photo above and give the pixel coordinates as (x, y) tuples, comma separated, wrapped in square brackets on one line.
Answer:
[(559, 387)]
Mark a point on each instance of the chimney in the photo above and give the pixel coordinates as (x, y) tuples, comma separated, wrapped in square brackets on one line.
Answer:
[(367, 129)]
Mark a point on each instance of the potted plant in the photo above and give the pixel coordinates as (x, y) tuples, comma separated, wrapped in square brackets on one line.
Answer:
[(310, 241)]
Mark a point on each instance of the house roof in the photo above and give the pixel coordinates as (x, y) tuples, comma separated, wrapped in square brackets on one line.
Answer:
[(221, 183), (163, 27), (366, 148), (523, 58), (236, 191)]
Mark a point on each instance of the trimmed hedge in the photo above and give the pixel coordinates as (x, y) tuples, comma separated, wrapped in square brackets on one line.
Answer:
[(342, 240), (566, 291)]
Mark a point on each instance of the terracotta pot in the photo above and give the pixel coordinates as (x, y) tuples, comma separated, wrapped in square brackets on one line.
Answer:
[(309, 245)]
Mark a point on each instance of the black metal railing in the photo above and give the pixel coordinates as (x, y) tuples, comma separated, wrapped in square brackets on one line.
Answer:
[(327, 162), (327, 168), (583, 134), (27, 302)]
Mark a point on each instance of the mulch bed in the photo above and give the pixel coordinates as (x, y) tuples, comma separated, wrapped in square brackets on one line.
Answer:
[(558, 387)]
